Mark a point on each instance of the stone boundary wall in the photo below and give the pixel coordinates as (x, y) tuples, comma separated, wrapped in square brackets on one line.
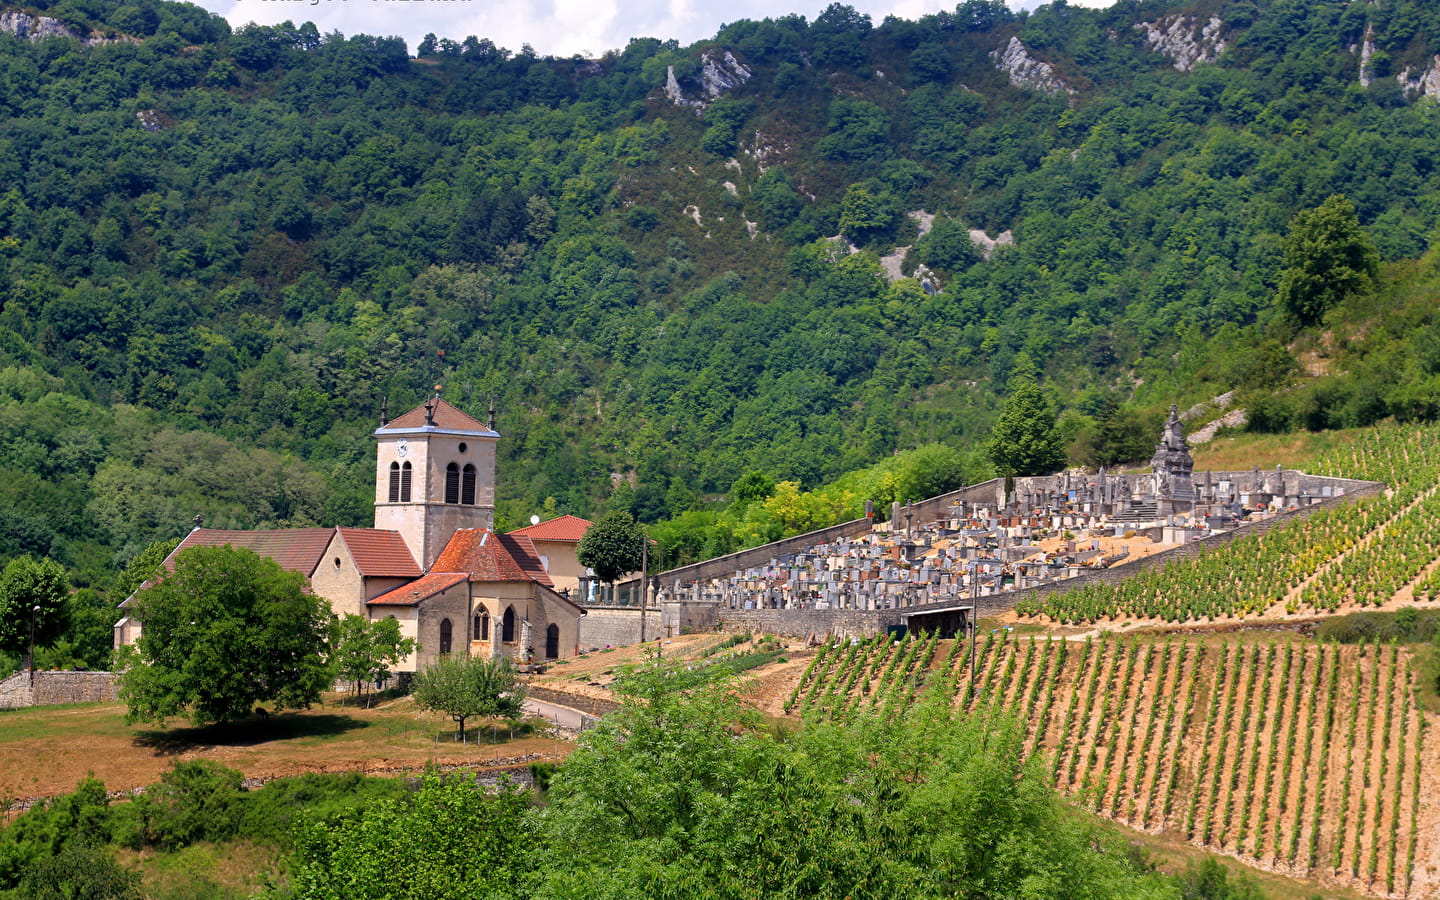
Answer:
[(54, 688), (616, 626), (722, 566), (995, 603), (806, 623)]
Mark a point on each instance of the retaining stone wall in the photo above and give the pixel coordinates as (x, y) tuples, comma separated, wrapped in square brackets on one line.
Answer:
[(616, 626), (53, 688)]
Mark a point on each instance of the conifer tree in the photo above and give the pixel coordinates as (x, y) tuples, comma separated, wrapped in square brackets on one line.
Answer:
[(1025, 440)]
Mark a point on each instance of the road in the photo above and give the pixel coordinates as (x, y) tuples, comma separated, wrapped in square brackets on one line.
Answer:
[(562, 716)]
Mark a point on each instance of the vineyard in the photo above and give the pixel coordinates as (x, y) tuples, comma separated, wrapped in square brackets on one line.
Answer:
[(1362, 553), (1301, 757)]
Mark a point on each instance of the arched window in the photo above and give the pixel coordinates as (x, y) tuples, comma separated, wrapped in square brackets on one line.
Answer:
[(405, 483), (452, 483), (467, 485), (445, 629), (394, 482), (507, 625), (482, 626), (552, 642)]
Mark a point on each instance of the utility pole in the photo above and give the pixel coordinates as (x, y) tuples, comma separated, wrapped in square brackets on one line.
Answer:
[(644, 579), (970, 620)]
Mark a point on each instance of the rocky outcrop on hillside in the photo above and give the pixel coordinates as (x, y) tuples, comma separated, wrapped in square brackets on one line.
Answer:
[(27, 26), (1367, 50), (1422, 82), (718, 74), (1184, 39), (1026, 71)]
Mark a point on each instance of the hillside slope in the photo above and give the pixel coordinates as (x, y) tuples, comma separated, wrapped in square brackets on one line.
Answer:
[(219, 251)]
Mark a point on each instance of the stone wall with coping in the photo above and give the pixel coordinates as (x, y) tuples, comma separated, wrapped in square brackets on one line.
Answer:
[(723, 566), (54, 688)]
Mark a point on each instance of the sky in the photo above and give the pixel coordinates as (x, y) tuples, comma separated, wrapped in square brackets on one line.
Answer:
[(552, 27)]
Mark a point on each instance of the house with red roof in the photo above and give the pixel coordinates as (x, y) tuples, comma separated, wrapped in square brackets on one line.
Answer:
[(432, 561), (557, 541)]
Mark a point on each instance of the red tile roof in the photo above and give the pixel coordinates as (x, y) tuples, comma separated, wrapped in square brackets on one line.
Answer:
[(447, 416), (422, 588), (295, 549), (563, 528), (380, 553), (488, 556)]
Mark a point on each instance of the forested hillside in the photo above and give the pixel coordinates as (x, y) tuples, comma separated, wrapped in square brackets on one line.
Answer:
[(220, 250)]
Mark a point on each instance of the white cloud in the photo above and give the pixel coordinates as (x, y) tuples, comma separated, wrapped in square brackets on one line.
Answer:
[(552, 27)]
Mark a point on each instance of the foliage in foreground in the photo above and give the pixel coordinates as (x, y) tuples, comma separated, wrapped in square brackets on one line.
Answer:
[(65, 844), (681, 794)]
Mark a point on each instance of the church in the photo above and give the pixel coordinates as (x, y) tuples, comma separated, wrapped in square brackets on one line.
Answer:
[(433, 561)]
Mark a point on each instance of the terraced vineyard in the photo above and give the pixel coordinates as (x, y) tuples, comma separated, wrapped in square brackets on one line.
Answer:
[(1304, 758), (1361, 553)]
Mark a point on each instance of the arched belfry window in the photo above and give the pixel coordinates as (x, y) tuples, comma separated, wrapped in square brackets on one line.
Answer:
[(482, 626), (405, 483), (467, 485), (507, 625), (394, 482), (452, 483), (445, 631)]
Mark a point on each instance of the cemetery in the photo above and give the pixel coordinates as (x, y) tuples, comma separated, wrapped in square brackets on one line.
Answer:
[(981, 549)]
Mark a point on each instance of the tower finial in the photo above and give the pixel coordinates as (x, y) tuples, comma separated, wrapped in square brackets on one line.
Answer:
[(430, 410), (491, 426), (199, 521)]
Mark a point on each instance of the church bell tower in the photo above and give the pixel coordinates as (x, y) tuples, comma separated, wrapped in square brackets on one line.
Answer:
[(434, 474)]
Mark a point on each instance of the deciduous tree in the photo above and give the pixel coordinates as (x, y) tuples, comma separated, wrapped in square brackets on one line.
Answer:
[(1327, 257), (466, 686), (25, 584), (366, 651), (612, 546), (227, 629)]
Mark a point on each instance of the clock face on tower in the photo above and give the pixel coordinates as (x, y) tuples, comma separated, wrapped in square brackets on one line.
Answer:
[(402, 447)]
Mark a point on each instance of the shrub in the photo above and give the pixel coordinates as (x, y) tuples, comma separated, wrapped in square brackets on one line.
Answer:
[(194, 801)]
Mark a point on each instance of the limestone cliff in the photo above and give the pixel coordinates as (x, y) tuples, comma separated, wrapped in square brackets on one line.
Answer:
[(1423, 82), (1026, 71), (1184, 39), (718, 74), (28, 26)]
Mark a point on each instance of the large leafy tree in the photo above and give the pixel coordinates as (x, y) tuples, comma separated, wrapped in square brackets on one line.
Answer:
[(1025, 439), (466, 686), (25, 584), (227, 629), (1328, 257), (612, 546)]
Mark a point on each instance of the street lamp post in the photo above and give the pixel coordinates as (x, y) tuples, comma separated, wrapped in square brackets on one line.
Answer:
[(34, 611)]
